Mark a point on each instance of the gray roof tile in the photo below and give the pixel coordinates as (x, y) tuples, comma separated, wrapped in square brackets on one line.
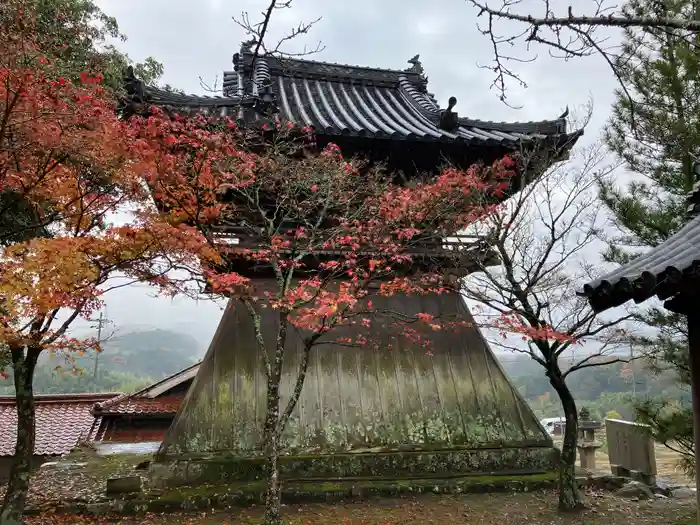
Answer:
[(343, 100), (663, 271)]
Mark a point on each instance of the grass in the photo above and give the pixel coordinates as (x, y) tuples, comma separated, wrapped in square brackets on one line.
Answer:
[(536, 508), (666, 463)]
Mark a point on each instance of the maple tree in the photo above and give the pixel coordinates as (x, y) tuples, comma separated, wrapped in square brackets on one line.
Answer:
[(330, 233), (77, 35), (542, 236), (64, 172)]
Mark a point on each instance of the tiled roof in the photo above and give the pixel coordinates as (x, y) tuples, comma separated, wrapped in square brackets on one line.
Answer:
[(341, 100), (663, 271), (140, 405), (61, 421), (149, 400), (131, 435)]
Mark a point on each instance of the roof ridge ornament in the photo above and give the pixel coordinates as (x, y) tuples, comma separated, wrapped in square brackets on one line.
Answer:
[(135, 87), (416, 66), (134, 96), (247, 46), (449, 120)]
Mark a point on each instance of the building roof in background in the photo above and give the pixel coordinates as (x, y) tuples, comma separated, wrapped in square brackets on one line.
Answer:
[(61, 421), (665, 271), (152, 400), (140, 405)]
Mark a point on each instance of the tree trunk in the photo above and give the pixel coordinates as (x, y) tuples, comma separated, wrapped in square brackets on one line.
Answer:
[(18, 485), (569, 495), (693, 349), (271, 432), (273, 496)]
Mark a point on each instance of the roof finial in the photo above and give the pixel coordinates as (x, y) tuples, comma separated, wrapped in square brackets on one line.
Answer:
[(449, 120), (565, 114), (416, 66), (135, 88), (247, 46)]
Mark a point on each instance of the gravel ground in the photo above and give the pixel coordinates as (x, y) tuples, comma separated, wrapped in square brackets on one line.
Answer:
[(537, 508)]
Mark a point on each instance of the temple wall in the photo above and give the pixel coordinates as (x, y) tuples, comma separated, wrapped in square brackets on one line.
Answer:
[(392, 394)]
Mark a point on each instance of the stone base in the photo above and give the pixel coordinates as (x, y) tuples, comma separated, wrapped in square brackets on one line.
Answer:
[(586, 453), (635, 475), (206, 497), (647, 479), (123, 485), (366, 466)]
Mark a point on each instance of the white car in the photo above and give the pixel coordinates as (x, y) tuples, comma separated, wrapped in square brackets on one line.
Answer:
[(549, 423)]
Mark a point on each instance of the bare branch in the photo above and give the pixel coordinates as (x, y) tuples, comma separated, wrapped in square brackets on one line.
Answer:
[(545, 236), (568, 35), (259, 30)]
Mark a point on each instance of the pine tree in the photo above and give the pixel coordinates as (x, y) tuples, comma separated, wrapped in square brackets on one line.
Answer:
[(655, 131)]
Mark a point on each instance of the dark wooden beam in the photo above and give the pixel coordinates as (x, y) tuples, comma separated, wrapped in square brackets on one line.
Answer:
[(693, 315), (687, 304)]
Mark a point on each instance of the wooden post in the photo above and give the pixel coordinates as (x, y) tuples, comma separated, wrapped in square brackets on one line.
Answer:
[(694, 351)]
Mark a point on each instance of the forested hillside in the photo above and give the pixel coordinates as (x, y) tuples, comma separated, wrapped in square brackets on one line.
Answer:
[(129, 361), (601, 388)]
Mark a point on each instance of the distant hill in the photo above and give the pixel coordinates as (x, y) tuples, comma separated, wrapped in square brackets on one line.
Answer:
[(128, 361), (153, 353)]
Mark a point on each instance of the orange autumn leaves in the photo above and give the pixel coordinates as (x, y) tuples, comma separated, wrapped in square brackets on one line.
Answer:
[(75, 167), (66, 172)]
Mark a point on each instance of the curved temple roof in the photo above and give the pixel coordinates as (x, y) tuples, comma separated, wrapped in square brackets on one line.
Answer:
[(340, 100), (665, 271)]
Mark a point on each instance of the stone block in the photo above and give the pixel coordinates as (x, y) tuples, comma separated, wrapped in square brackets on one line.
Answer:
[(619, 470), (684, 493), (125, 485), (635, 490), (643, 477), (604, 481)]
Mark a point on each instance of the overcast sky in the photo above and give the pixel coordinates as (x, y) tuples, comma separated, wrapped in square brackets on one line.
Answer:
[(196, 39)]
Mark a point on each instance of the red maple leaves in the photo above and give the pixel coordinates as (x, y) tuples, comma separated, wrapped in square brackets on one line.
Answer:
[(230, 201), (65, 175), (330, 231)]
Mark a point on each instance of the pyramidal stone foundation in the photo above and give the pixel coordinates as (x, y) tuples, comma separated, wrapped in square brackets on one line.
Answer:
[(393, 412)]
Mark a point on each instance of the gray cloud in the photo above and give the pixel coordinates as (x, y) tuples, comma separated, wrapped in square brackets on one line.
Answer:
[(196, 39)]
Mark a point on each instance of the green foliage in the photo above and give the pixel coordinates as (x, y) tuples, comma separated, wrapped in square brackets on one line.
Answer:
[(49, 381), (655, 130), (76, 34), (151, 353), (613, 414), (672, 425), (602, 389), (589, 384)]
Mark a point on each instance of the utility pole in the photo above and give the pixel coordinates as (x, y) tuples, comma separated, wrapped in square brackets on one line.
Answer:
[(634, 379), (100, 323)]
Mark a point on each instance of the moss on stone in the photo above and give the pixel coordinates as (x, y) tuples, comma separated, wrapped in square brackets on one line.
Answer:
[(104, 465), (374, 465), (243, 494)]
